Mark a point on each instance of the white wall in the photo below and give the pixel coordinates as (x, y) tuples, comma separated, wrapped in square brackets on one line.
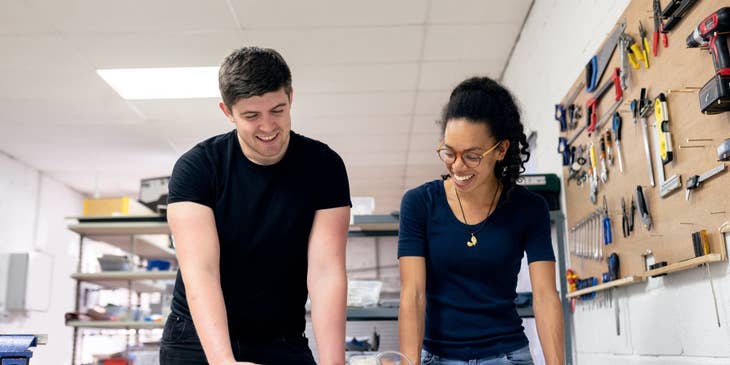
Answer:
[(668, 320), (32, 208)]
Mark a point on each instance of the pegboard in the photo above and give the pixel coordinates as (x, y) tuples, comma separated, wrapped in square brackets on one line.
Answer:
[(678, 72)]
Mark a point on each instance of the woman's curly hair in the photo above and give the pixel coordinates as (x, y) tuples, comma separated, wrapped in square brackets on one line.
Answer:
[(483, 100)]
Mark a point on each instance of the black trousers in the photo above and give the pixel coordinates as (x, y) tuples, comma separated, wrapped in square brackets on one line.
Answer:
[(180, 345)]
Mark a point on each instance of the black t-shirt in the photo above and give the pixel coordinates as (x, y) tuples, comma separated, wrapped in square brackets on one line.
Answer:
[(263, 216)]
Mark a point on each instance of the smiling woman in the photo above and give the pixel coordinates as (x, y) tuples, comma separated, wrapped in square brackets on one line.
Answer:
[(461, 241)]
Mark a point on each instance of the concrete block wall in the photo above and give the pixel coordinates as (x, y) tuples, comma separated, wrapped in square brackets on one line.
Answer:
[(32, 207), (669, 320)]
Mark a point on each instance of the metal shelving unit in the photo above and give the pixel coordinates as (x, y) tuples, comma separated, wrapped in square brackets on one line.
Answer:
[(144, 237)]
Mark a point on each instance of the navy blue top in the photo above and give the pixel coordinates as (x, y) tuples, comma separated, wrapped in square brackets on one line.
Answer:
[(470, 291)]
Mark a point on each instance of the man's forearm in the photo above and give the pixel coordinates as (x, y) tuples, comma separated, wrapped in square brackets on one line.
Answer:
[(549, 319), (329, 299), (209, 315)]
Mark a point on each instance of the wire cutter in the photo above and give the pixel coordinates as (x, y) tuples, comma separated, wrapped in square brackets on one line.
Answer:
[(624, 219)]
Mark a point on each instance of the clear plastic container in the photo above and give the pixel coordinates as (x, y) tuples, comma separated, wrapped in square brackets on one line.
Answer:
[(363, 293)]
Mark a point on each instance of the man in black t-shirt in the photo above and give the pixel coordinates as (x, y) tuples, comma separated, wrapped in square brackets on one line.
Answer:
[(260, 218)]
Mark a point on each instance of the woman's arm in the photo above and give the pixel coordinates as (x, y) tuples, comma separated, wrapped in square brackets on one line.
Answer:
[(412, 312), (548, 311)]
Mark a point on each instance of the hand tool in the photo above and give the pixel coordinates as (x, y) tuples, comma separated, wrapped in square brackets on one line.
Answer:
[(617, 311), (609, 146), (673, 183), (616, 127), (591, 113), (635, 113), (624, 74), (634, 52), (578, 176), (723, 150), (592, 103), (624, 219), (597, 236), (632, 215), (643, 208), (593, 174), (644, 44), (631, 49), (661, 112), (700, 243), (695, 181), (580, 152), (604, 169), (597, 65), (714, 296), (712, 33), (674, 11), (574, 165), (565, 111), (574, 115), (607, 237), (564, 150), (560, 117), (614, 268), (644, 108), (658, 28)]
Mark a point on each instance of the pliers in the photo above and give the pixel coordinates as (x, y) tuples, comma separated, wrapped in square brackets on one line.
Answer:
[(624, 219), (644, 45)]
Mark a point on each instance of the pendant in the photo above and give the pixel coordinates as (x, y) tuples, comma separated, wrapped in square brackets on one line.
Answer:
[(472, 242)]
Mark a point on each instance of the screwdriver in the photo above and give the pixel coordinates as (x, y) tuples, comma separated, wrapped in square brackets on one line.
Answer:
[(616, 126), (635, 114), (609, 147), (607, 237), (604, 168)]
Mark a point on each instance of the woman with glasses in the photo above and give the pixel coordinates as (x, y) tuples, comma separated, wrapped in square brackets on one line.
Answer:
[(462, 239)]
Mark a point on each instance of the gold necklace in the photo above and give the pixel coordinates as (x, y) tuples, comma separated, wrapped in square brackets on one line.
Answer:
[(473, 241)]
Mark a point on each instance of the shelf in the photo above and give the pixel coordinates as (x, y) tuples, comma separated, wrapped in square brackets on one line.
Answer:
[(684, 265), (391, 313), (141, 281), (151, 239), (116, 324), (372, 314), (119, 228), (373, 225), (611, 284)]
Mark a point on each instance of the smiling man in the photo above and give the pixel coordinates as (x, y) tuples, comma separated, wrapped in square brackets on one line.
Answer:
[(260, 218)]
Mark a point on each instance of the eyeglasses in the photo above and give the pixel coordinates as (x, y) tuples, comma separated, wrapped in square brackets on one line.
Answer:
[(470, 159)]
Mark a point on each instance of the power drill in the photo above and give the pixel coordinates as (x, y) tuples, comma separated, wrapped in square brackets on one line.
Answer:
[(711, 33)]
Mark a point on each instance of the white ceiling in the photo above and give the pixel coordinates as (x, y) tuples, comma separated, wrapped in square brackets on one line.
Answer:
[(370, 78)]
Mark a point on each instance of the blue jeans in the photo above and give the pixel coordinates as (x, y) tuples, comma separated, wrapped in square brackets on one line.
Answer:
[(521, 356)]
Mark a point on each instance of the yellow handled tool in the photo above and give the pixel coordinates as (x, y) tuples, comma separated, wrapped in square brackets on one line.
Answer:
[(661, 112)]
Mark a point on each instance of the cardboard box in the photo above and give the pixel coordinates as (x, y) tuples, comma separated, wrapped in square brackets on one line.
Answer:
[(114, 206)]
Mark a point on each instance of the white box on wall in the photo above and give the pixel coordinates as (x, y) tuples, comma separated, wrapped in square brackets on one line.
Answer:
[(25, 281)]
